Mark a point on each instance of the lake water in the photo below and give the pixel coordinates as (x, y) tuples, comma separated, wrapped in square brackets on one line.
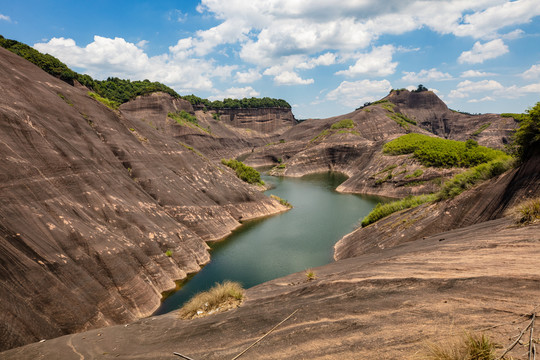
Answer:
[(279, 245)]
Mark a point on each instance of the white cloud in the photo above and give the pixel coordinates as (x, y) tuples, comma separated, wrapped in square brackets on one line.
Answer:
[(487, 98), (236, 93), (358, 92), (106, 57), (247, 76), (532, 72), (486, 22), (426, 75), (142, 44), (481, 52), (531, 88), (5, 18), (324, 60), (289, 78), (475, 73), (465, 88), (376, 63)]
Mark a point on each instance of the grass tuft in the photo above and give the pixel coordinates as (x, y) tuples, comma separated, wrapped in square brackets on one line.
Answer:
[(244, 172), (382, 210), (111, 104), (467, 347), (526, 212), (221, 297), (343, 124)]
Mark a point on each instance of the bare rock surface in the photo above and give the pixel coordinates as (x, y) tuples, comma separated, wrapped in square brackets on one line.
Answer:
[(380, 306), (91, 201), (487, 201), (313, 146)]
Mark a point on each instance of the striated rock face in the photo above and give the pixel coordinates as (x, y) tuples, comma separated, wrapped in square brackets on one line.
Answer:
[(91, 201), (428, 290), (488, 201), (432, 114), (312, 146), (235, 132)]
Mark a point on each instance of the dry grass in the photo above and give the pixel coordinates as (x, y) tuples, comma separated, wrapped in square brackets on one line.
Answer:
[(526, 212), (467, 347), (221, 297)]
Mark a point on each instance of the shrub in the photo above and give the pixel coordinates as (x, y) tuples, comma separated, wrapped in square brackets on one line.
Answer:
[(468, 347), (382, 210), (221, 297), (281, 201), (244, 172), (108, 103), (416, 173), (168, 253), (480, 129), (527, 136), (343, 124), (310, 275), (181, 116), (473, 176), (526, 212), (432, 151)]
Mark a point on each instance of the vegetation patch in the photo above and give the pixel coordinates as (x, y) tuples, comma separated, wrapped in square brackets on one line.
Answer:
[(186, 119), (432, 151), (222, 297), (480, 129), (416, 173), (467, 347), (245, 103), (526, 212), (281, 201), (517, 117), (113, 105), (382, 210), (244, 172), (343, 124), (473, 176), (527, 136), (65, 99), (321, 135), (216, 116)]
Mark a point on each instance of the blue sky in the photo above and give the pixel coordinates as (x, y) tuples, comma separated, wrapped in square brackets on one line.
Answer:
[(324, 57)]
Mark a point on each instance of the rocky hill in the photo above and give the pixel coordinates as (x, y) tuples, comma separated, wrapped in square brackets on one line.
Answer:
[(102, 210), (355, 149)]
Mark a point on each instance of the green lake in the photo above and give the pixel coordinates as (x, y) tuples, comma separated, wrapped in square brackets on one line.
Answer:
[(297, 240)]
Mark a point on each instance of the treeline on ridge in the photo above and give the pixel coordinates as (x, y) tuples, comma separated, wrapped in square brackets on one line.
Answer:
[(121, 90)]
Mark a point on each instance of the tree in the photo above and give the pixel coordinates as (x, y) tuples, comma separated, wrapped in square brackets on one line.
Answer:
[(527, 136)]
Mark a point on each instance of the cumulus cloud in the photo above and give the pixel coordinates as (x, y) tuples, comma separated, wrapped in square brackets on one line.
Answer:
[(467, 87), (475, 73), (358, 92), (532, 72), (376, 63), (248, 76), (426, 75), (486, 98), (322, 60), (482, 52), (291, 78), (116, 57), (5, 18), (236, 93)]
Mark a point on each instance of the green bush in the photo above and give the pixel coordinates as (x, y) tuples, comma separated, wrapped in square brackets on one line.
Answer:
[(181, 116), (244, 172), (527, 136), (480, 129), (245, 103), (416, 173), (107, 102), (382, 210), (473, 176), (343, 124), (432, 151)]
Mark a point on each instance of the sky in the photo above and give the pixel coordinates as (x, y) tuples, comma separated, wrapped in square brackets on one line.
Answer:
[(324, 57)]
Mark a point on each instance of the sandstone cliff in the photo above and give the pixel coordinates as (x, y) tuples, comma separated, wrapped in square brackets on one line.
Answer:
[(94, 200), (313, 146)]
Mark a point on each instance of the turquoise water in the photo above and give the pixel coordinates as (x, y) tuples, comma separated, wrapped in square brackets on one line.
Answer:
[(275, 246)]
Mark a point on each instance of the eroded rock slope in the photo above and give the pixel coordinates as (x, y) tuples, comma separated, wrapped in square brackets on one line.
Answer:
[(99, 212)]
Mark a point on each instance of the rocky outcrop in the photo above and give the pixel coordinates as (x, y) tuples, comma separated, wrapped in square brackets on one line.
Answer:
[(100, 210), (263, 120), (486, 202), (313, 146), (424, 291)]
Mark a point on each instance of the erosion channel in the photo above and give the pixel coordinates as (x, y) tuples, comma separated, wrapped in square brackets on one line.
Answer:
[(272, 247)]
